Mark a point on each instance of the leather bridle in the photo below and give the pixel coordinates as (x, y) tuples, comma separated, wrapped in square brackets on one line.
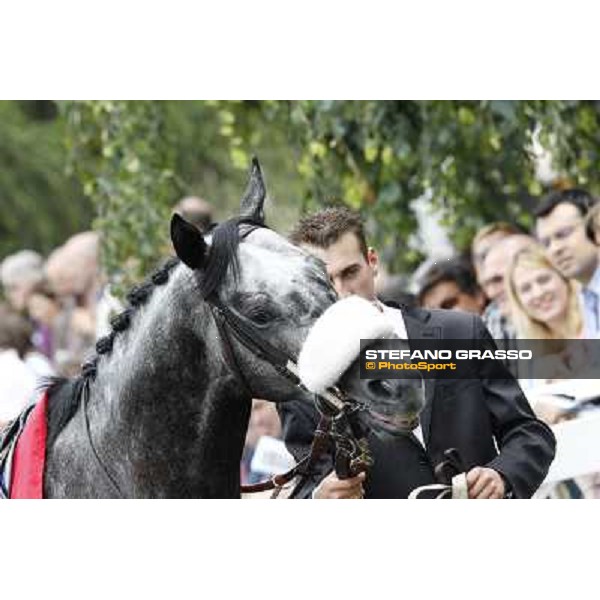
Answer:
[(249, 336), (339, 413)]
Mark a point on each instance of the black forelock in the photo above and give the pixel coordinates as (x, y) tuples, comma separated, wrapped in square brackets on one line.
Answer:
[(222, 255)]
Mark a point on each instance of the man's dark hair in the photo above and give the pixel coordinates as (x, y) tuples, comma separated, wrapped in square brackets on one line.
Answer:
[(579, 198), (455, 270), (326, 227)]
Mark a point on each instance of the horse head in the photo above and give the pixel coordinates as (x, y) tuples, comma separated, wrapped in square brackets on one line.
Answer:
[(264, 293)]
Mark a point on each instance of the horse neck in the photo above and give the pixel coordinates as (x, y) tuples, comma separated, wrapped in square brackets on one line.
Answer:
[(164, 410)]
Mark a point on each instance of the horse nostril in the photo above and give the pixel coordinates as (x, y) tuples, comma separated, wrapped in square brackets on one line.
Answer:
[(380, 388)]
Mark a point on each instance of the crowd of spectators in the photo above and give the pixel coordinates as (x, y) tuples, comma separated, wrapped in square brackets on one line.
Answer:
[(538, 285), (541, 285), (49, 316)]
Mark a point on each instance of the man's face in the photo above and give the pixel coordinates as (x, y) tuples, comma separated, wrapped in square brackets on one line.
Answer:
[(495, 265), (448, 295), (562, 233), (480, 251), (349, 270), (493, 271)]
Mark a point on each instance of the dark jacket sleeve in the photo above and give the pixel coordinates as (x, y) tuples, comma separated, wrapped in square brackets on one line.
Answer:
[(526, 445), (299, 421)]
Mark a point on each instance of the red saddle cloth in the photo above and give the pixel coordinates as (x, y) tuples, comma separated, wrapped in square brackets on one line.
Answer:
[(27, 477)]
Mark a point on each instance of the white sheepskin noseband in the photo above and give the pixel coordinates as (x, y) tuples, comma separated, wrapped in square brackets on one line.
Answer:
[(333, 342)]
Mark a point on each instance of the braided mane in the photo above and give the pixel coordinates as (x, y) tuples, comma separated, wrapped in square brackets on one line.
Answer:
[(65, 394)]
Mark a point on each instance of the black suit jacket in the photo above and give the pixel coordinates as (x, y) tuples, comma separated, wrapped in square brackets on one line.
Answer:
[(487, 419)]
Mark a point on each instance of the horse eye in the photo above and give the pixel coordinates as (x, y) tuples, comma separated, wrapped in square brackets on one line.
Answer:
[(262, 315)]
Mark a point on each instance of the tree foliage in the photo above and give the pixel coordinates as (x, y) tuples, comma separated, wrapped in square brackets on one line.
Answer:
[(39, 205), (474, 159), (133, 160), (119, 151), (256, 128), (136, 159)]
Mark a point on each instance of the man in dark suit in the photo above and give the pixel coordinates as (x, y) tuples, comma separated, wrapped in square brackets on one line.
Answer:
[(505, 449)]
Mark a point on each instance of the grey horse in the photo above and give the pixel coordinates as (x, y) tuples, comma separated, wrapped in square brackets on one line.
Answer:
[(163, 409)]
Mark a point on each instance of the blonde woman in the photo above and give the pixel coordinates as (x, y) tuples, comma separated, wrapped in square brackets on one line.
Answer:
[(543, 303), (545, 306)]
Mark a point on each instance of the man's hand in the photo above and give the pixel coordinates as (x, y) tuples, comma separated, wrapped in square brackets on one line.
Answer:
[(333, 488), (484, 483)]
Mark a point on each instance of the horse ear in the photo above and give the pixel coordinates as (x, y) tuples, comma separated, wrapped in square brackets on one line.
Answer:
[(188, 242), (252, 205)]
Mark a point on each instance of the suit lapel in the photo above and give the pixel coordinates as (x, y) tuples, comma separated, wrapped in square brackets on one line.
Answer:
[(417, 328)]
